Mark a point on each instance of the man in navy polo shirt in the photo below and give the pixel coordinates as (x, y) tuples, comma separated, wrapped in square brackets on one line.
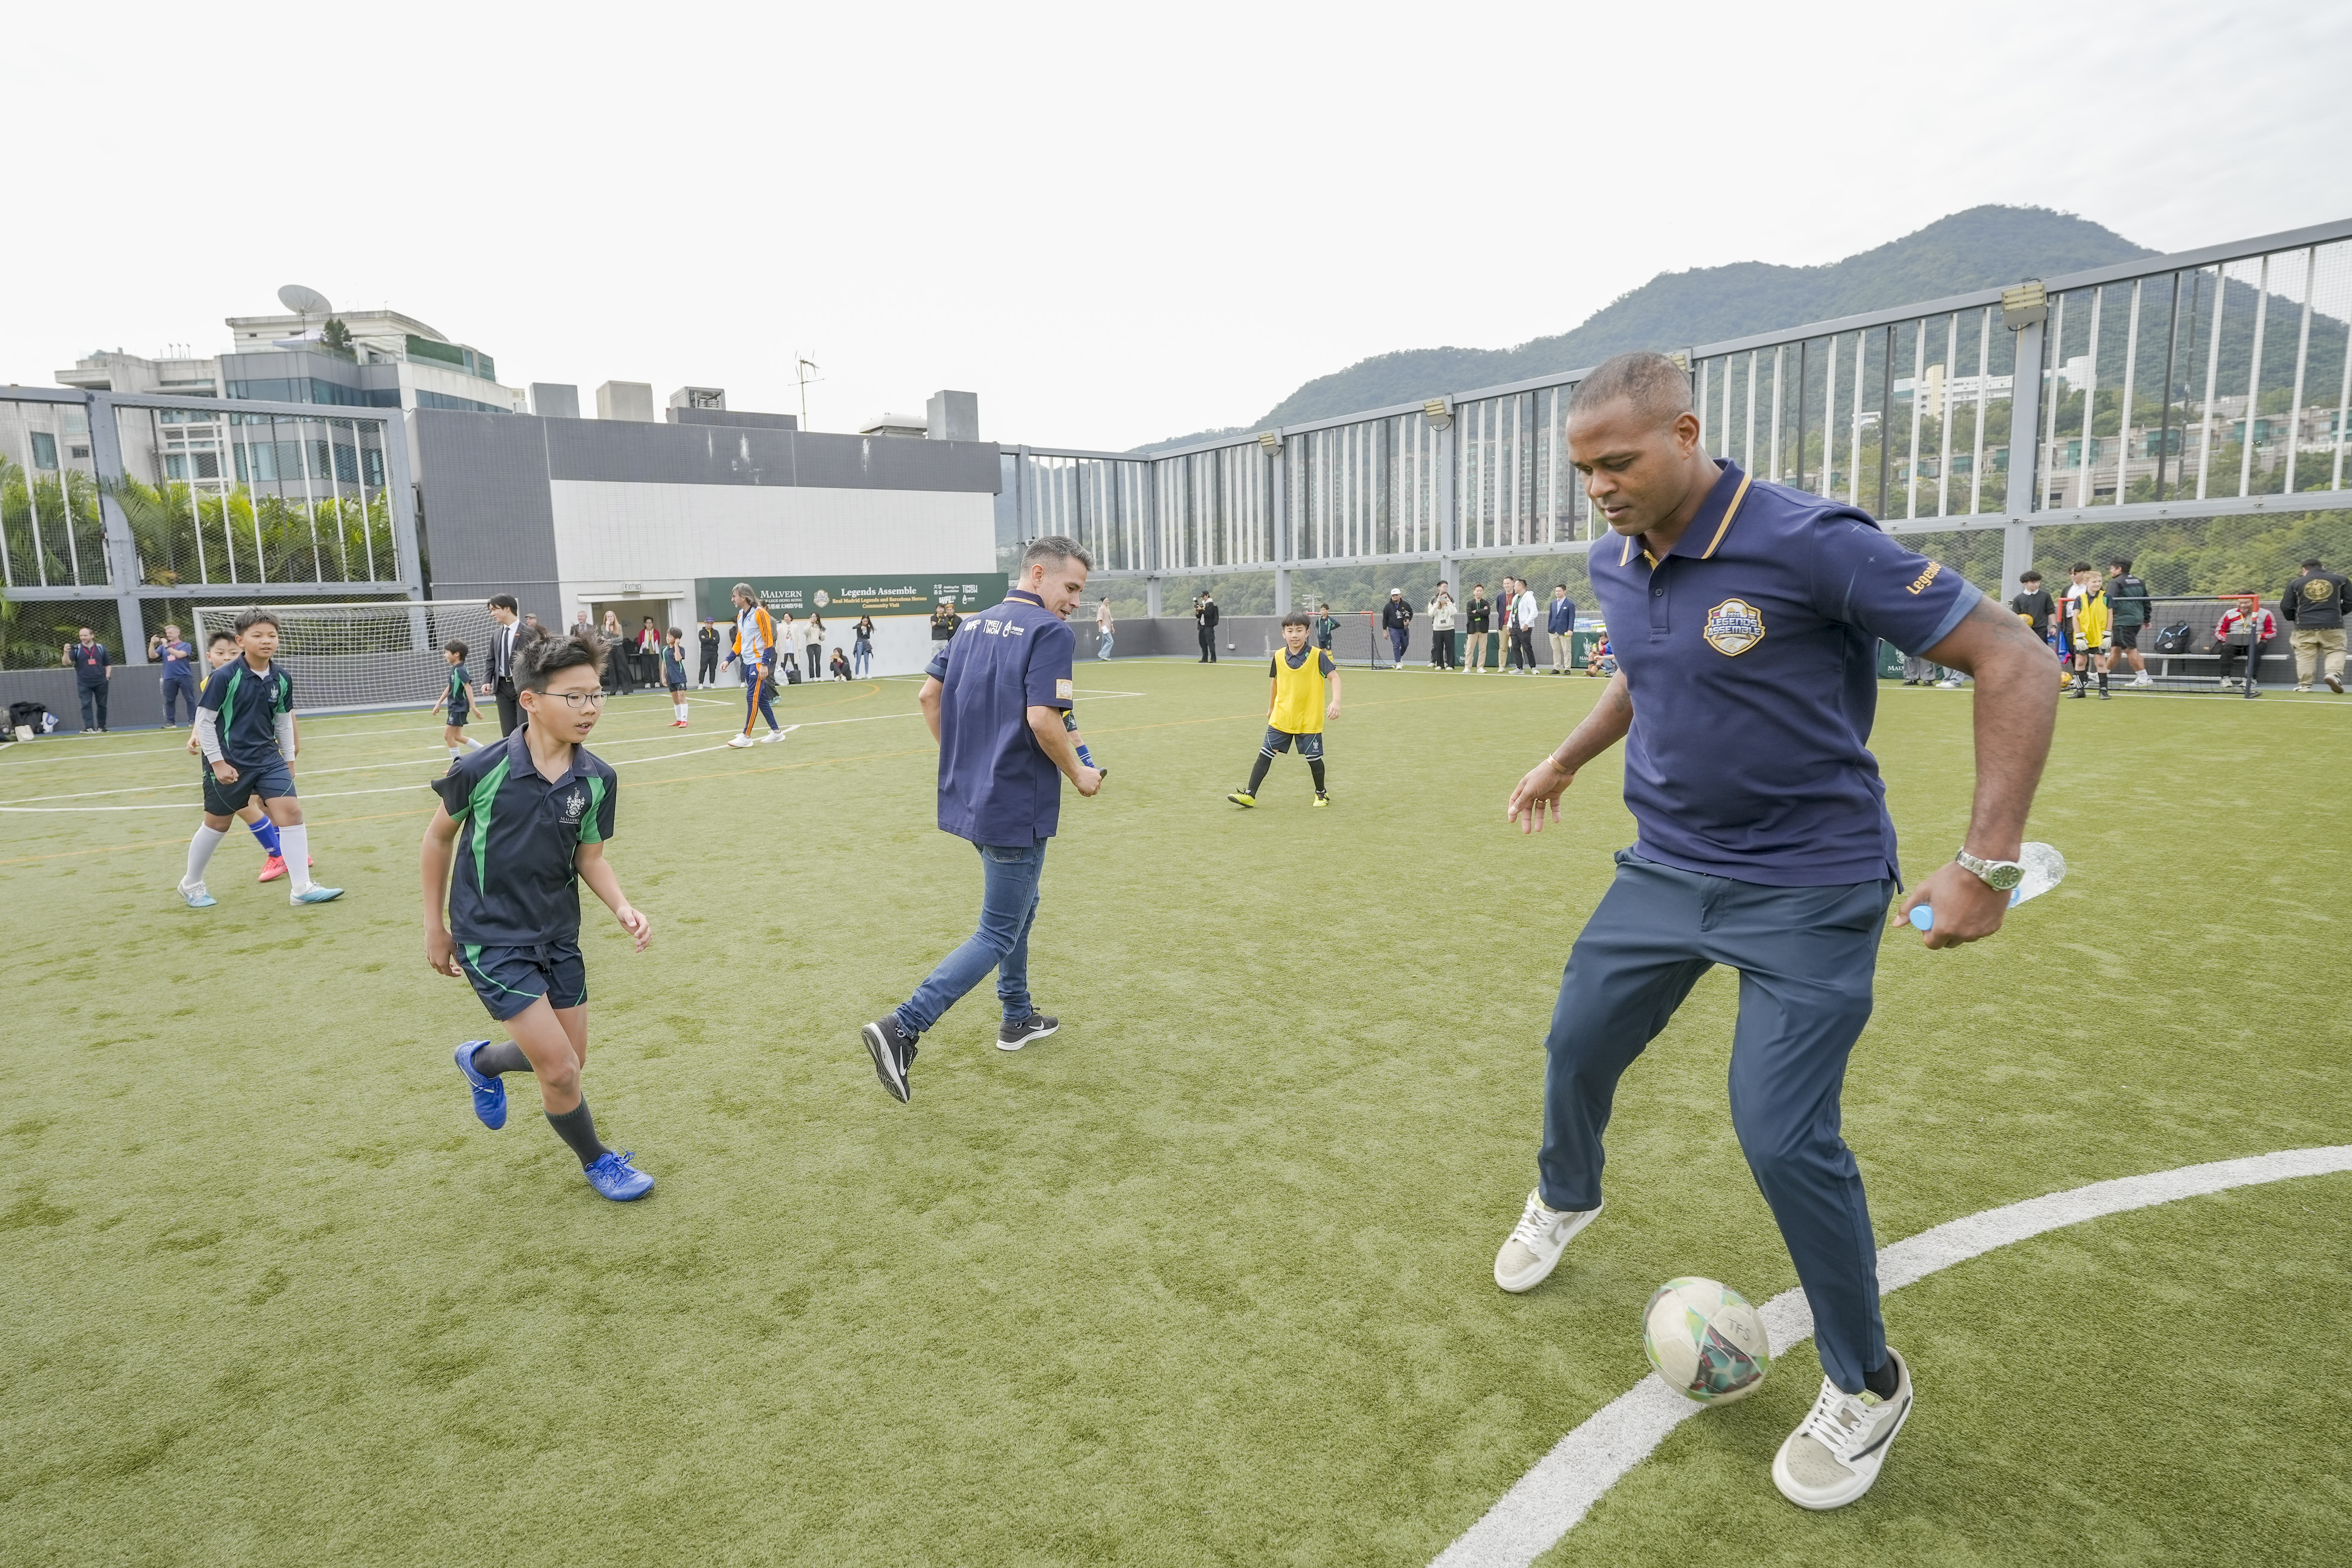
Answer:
[(997, 696), (1745, 618)]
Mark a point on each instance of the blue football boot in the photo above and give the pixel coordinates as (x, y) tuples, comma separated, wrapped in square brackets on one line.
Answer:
[(489, 1093), (613, 1177), (315, 894)]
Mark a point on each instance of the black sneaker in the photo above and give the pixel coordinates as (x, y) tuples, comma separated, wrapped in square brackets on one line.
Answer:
[(1012, 1035), (893, 1050)]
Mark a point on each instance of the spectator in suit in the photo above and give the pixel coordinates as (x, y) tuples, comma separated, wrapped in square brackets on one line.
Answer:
[(1560, 623), (499, 658)]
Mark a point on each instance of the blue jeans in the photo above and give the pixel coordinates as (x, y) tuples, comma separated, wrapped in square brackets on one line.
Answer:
[(1102, 649), (1399, 638), (174, 688), (861, 657), (1008, 908), (1805, 958)]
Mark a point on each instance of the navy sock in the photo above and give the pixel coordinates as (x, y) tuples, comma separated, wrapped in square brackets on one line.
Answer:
[(577, 1128), (1258, 773), (499, 1056), (1316, 765)]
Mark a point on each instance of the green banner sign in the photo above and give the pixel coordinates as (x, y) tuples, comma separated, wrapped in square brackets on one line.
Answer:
[(847, 598)]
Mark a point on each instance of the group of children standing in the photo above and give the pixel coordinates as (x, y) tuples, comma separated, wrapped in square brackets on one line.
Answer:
[(2094, 626)]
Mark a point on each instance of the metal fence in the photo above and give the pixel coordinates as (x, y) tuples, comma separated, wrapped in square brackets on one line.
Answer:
[(111, 503), (2190, 411)]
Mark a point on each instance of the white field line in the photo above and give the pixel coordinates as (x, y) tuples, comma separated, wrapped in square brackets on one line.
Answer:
[(1552, 1498)]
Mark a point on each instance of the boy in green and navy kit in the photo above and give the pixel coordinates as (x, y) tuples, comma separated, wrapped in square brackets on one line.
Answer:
[(246, 729), (458, 703), (1297, 709), (524, 822)]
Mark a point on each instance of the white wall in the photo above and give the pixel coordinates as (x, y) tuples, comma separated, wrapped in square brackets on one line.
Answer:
[(633, 533), (615, 541)]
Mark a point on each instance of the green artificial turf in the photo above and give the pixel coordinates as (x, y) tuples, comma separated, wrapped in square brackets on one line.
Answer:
[(1203, 1279)]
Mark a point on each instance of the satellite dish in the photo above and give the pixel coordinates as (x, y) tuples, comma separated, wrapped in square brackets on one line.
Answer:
[(304, 302)]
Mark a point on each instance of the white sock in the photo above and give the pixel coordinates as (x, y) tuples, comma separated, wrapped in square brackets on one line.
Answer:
[(455, 752), (294, 843), (472, 744), (200, 854), (680, 709)]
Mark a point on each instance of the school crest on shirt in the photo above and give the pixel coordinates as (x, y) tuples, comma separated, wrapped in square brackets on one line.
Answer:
[(573, 805), (1733, 627)]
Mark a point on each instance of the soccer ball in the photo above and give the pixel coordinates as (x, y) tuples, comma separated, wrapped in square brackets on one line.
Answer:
[(1705, 1340)]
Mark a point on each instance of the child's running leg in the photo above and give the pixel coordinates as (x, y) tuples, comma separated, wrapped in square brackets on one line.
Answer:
[(264, 830)]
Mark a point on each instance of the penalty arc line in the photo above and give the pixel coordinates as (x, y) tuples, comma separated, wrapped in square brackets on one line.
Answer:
[(1551, 1498)]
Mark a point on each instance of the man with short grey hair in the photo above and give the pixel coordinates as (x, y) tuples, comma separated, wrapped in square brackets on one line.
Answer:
[(998, 697)]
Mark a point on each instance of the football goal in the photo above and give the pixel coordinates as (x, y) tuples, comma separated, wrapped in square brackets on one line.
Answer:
[(383, 654)]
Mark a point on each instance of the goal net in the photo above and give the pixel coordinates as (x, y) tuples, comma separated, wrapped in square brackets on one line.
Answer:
[(350, 658)]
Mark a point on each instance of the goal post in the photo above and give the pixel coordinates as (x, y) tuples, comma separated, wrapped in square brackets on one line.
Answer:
[(352, 657)]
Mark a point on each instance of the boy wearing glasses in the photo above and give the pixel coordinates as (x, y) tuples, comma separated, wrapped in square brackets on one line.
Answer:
[(525, 822)]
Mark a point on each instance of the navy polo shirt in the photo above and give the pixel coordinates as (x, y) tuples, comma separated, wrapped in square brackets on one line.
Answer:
[(247, 705), (175, 655), (1751, 654), (514, 885), (996, 787)]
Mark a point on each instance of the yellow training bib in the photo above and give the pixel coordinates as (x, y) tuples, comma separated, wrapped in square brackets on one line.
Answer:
[(1298, 692)]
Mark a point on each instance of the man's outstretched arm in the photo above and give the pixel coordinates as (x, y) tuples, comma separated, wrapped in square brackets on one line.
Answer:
[(2016, 707)]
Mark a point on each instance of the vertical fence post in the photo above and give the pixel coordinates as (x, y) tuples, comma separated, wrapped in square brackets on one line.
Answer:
[(1278, 476), (2024, 422), (121, 549)]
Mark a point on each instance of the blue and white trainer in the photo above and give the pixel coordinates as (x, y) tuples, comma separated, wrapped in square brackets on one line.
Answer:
[(195, 897), (315, 894), (489, 1092), (612, 1176)]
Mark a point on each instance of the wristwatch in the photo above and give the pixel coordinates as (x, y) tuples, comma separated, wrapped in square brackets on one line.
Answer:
[(2001, 875)]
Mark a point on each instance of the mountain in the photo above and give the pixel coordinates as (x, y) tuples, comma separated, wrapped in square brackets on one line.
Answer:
[(1979, 249)]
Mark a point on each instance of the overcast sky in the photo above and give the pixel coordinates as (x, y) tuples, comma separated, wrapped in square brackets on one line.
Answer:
[(1112, 223)]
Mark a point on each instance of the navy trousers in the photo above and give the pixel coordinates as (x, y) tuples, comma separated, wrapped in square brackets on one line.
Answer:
[(1806, 958), (759, 694)]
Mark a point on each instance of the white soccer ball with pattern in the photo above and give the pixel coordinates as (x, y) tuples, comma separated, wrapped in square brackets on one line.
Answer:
[(1705, 1340)]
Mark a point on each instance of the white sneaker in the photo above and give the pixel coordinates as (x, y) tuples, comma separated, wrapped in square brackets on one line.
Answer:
[(739, 739), (1948, 686), (2140, 682), (771, 737), (1835, 1454), (1534, 1245)]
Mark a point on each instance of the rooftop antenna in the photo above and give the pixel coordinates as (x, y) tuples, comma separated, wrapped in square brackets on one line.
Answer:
[(801, 369)]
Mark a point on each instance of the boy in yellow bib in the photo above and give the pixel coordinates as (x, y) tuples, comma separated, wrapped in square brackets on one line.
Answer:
[(1298, 709)]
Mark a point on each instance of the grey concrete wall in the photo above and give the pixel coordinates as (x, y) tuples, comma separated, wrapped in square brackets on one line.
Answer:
[(733, 419), (555, 400), (489, 519), (616, 452), (134, 701)]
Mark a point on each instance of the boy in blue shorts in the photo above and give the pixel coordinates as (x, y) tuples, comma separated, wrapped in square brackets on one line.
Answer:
[(458, 703), (1297, 709), (246, 729), (525, 822)]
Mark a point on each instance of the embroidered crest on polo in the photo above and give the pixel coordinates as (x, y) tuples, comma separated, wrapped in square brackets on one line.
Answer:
[(1734, 627), (574, 804)]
